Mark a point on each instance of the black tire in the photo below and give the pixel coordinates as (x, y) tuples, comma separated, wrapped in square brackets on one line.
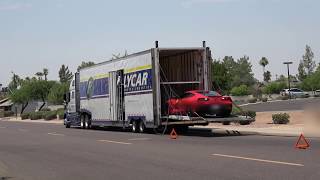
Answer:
[(82, 121), (142, 127), (87, 122), (68, 125), (226, 123), (135, 125)]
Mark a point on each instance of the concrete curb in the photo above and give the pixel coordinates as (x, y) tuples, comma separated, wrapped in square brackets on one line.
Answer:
[(254, 132), (33, 121)]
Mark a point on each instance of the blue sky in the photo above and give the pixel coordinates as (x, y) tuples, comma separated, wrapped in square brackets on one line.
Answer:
[(48, 33)]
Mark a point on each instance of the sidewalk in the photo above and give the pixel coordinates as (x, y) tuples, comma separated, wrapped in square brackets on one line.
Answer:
[(13, 119), (300, 122)]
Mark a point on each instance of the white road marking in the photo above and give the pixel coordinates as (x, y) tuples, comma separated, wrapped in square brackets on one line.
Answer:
[(116, 142), (23, 130), (56, 134), (1, 127), (259, 160), (139, 139)]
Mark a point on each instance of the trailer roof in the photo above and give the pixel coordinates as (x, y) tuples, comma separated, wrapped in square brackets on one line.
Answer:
[(173, 51)]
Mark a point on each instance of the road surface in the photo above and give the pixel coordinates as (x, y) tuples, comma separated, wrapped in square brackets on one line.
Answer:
[(33, 151), (289, 105)]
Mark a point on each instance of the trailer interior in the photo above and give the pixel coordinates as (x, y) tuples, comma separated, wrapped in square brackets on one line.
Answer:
[(180, 71)]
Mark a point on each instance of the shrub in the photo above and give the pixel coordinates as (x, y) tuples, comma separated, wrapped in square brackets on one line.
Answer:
[(249, 113), (36, 115), (252, 100), (241, 90), (281, 118), (45, 109), (264, 99), (274, 88), (8, 113), (60, 113), (25, 116), (50, 115)]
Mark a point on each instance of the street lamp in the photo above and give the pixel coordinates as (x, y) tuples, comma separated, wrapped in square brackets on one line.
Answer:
[(288, 63)]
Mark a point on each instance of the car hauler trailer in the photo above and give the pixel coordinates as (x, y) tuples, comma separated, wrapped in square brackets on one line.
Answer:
[(132, 91)]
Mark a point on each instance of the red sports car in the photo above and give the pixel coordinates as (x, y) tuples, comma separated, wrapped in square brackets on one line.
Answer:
[(203, 103)]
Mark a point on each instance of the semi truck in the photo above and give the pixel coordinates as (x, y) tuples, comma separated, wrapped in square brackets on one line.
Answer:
[(132, 91)]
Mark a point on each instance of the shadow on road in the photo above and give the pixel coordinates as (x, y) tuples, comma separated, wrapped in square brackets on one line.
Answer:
[(199, 132)]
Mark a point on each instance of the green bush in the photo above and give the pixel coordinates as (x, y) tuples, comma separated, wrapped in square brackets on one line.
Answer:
[(249, 113), (25, 116), (8, 113), (45, 109), (274, 88), (50, 115), (253, 100), (281, 118), (60, 113), (264, 99), (241, 90), (36, 115)]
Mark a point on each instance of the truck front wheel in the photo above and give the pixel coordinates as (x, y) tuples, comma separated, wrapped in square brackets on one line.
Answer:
[(82, 121), (135, 126), (87, 122)]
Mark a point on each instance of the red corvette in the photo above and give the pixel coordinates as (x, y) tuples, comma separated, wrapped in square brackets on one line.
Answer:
[(203, 103)]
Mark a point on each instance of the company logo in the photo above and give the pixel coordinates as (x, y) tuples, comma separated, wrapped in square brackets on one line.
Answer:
[(137, 81)]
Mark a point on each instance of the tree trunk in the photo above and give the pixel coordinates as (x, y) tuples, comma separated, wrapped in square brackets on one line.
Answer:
[(24, 106), (42, 104)]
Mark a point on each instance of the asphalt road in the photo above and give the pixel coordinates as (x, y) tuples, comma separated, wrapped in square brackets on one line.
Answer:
[(289, 105), (42, 151)]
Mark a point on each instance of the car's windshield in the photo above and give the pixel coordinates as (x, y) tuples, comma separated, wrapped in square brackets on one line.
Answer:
[(209, 93)]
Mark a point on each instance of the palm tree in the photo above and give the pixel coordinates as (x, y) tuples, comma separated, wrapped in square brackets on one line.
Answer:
[(45, 73), (264, 62)]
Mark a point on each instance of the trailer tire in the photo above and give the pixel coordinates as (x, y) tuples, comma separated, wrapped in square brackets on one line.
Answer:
[(135, 126), (142, 127)]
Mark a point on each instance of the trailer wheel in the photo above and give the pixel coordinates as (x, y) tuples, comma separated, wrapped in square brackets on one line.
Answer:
[(134, 126), (142, 127), (82, 121)]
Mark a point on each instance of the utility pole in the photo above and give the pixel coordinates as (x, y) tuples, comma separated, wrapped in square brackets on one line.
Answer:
[(288, 63)]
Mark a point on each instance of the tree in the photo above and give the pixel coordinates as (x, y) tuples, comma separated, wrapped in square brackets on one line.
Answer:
[(15, 82), (85, 64), (264, 62), (22, 96), (40, 90), (56, 93), (301, 72), (64, 74), (117, 56), (220, 76), (307, 60), (45, 73), (267, 76), (242, 73), (39, 75)]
